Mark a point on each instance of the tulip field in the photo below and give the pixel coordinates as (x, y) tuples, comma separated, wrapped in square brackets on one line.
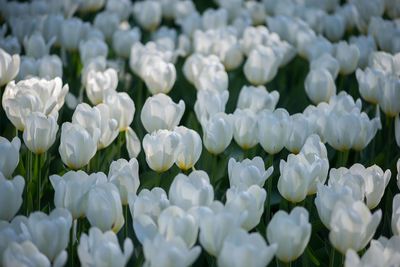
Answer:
[(175, 133)]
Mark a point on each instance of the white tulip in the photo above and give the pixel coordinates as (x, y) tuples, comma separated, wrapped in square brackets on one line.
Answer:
[(122, 109), (40, 132), (300, 129), (291, 232), (334, 26), (148, 14), (319, 85), (123, 39), (395, 223), (91, 5), (175, 222), (50, 233), (9, 66), (77, 145), (71, 32), (158, 75), (328, 62), (218, 133), (71, 190), (50, 67), (389, 91), (92, 48), (257, 98), (169, 253), (12, 232), (368, 82), (123, 8), (347, 56), (103, 250), (208, 103), (125, 176), (212, 77), (245, 128), (132, 143), (248, 172), (107, 22), (245, 249), (104, 208), (274, 128), (99, 84), (160, 112), (35, 45), (190, 191), (9, 158), (250, 200), (145, 210), (214, 18), (352, 225), (10, 196), (261, 66), (189, 149)]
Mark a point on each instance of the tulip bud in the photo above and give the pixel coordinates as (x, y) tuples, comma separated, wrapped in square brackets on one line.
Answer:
[(300, 130), (122, 109), (91, 6), (245, 128), (327, 62), (274, 128), (198, 184), (368, 82), (102, 249), (319, 86), (77, 146), (104, 208), (352, 225), (347, 56), (71, 32), (146, 209), (160, 112), (99, 84), (49, 233), (9, 158), (158, 75), (334, 26), (35, 46), (91, 49), (193, 65), (160, 149), (50, 67), (107, 22), (122, 8), (10, 196), (218, 133), (257, 98), (291, 232), (71, 190), (125, 176), (366, 45), (40, 132), (124, 39), (148, 14), (245, 249), (208, 103), (250, 200), (212, 77), (169, 253), (132, 143), (175, 222), (388, 93), (214, 18), (189, 149), (261, 66)]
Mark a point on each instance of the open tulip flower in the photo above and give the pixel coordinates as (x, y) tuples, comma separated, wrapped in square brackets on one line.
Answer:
[(200, 133)]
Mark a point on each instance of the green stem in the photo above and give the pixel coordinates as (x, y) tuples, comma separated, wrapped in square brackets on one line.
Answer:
[(332, 257), (284, 264), (126, 208), (343, 157)]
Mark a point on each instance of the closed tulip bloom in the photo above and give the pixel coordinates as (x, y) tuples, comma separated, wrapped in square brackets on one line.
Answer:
[(50, 233), (30, 95), (395, 223), (145, 210), (98, 84), (218, 133), (40, 132), (132, 143), (257, 98), (328, 62), (71, 32), (366, 44), (342, 129), (9, 66), (50, 67), (248, 172), (389, 92), (142, 11), (291, 232), (212, 77), (193, 65), (381, 252), (28, 68), (334, 26), (352, 226), (122, 109), (77, 145), (250, 200), (71, 190), (35, 45), (169, 253), (261, 66), (26, 254), (123, 39), (208, 103), (104, 208), (160, 149), (214, 18), (158, 75), (92, 48), (300, 130), (245, 128), (319, 86), (160, 112), (107, 22), (245, 249), (368, 83), (103, 249), (91, 6), (9, 159), (175, 222), (125, 176), (10, 196), (189, 149), (274, 128), (347, 56), (191, 191)]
